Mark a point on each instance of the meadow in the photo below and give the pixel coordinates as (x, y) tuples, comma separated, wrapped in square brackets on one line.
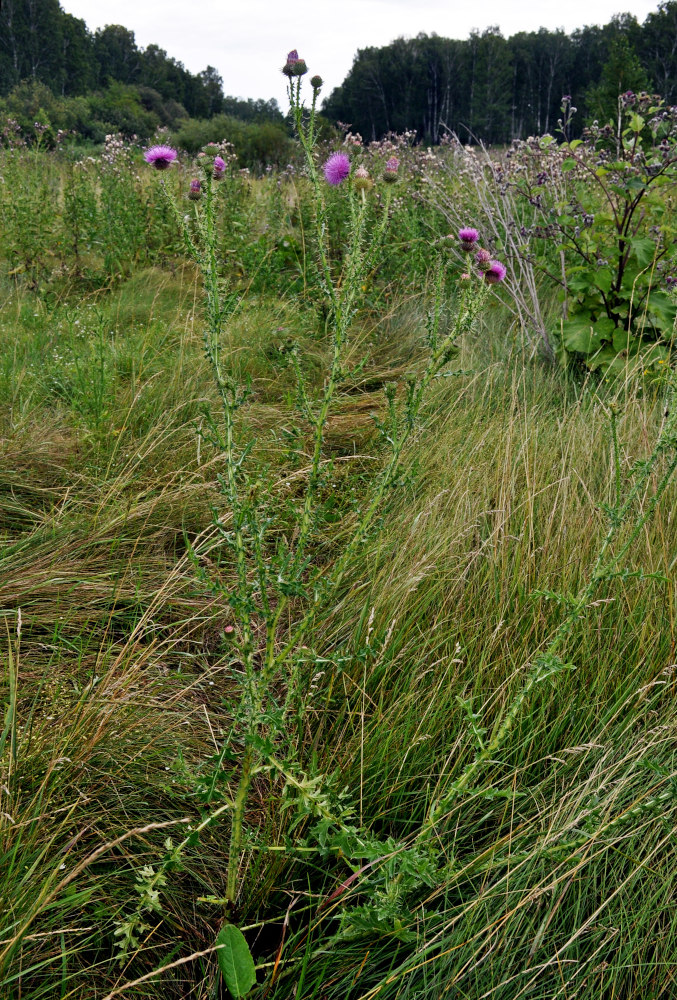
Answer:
[(337, 582)]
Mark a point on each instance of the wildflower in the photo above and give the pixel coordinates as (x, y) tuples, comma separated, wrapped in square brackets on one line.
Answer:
[(160, 157), (468, 238), (391, 169), (219, 168), (495, 273), (361, 179), (294, 66), (483, 260), (336, 169), (465, 278), (195, 192), (316, 82)]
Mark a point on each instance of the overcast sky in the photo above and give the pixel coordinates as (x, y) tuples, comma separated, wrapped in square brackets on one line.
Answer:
[(247, 40)]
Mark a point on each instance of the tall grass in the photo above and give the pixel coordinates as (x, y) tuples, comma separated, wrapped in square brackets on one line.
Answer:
[(119, 670)]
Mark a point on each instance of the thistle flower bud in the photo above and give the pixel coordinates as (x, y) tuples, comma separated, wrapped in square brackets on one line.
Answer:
[(361, 179), (316, 82), (195, 192), (483, 260), (391, 169), (294, 66)]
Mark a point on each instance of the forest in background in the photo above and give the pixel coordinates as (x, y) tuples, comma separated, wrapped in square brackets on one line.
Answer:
[(55, 71), (498, 89)]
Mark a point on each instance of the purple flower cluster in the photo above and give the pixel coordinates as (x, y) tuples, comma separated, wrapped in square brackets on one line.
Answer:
[(492, 271)]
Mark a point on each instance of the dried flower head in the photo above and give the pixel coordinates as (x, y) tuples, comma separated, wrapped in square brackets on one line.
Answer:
[(160, 157), (336, 169)]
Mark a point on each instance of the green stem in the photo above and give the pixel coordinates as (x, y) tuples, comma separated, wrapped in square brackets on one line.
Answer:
[(239, 805)]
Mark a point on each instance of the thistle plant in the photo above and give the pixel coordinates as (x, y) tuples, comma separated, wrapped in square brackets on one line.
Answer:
[(270, 574)]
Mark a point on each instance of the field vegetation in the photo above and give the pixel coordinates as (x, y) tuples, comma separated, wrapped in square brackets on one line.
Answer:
[(338, 580)]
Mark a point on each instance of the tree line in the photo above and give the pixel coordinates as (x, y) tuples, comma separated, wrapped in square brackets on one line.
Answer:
[(498, 89), (54, 69)]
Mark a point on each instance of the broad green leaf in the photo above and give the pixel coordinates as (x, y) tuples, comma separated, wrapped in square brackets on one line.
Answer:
[(579, 335), (579, 282), (235, 961), (625, 341), (607, 360), (568, 165), (605, 328), (603, 279), (663, 309), (636, 122), (644, 250)]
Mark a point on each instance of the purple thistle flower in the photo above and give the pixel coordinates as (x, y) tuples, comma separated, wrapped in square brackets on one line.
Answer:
[(160, 157), (195, 192), (336, 169), (219, 168), (292, 56), (468, 238), (495, 273)]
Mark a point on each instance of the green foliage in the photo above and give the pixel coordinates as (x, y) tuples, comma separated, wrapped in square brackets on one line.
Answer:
[(602, 203), (306, 556), (494, 89), (235, 961)]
